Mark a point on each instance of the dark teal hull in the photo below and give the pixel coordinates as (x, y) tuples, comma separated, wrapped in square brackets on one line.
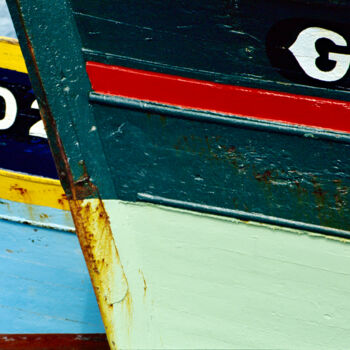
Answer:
[(293, 173)]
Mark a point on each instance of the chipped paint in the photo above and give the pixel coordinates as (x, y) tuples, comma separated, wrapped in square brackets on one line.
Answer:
[(34, 200), (30, 189)]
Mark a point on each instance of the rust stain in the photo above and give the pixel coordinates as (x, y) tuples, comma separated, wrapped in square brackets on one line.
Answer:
[(264, 177), (127, 305), (301, 192), (62, 201), (101, 255), (92, 224), (44, 216), (22, 191), (319, 193), (299, 188), (144, 283), (83, 187), (340, 197)]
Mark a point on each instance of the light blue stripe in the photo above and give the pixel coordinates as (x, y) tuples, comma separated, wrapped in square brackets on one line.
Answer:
[(6, 26), (36, 215), (44, 283)]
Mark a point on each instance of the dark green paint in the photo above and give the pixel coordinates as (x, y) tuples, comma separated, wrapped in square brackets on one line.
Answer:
[(212, 117), (131, 153), (222, 41), (61, 89), (263, 172)]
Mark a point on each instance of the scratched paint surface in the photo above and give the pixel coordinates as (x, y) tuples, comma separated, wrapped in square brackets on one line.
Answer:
[(224, 41), (44, 283), (228, 167), (35, 200), (240, 168), (271, 173)]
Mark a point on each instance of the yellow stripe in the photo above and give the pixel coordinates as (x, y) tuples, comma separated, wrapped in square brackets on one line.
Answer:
[(32, 190), (11, 55)]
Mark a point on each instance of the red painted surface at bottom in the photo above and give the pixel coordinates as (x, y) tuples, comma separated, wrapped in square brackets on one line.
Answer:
[(53, 341), (241, 101)]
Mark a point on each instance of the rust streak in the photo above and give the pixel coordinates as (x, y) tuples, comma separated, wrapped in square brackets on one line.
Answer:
[(102, 258), (144, 283), (62, 201)]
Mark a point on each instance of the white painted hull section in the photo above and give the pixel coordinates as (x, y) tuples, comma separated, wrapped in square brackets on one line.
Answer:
[(199, 282)]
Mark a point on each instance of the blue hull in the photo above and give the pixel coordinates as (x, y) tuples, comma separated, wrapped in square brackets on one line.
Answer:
[(44, 283), (45, 287)]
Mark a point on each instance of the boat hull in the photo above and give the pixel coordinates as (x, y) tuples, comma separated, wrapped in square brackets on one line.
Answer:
[(209, 185), (191, 280), (47, 300)]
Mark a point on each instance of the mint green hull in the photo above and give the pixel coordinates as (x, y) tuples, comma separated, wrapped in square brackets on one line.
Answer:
[(199, 281)]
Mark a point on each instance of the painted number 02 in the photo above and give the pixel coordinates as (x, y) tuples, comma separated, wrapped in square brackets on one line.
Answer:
[(11, 113)]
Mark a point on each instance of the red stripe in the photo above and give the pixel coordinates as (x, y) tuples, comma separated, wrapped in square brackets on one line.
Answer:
[(228, 99), (53, 342)]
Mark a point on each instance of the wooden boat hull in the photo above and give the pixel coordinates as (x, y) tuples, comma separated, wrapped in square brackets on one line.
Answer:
[(205, 163)]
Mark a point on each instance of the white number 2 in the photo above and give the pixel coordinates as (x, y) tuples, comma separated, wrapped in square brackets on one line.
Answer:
[(11, 113), (38, 128)]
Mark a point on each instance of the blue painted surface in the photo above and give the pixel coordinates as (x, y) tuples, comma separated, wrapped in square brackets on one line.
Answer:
[(44, 283), (37, 215), (6, 26)]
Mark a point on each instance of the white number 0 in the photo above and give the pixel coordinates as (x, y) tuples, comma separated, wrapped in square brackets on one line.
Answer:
[(10, 109)]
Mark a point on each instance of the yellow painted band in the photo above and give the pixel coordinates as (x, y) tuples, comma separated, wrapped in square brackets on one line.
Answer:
[(30, 189), (11, 55)]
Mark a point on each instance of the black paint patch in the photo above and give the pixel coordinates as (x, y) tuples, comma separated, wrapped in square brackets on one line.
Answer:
[(220, 41), (282, 36)]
